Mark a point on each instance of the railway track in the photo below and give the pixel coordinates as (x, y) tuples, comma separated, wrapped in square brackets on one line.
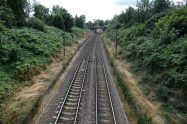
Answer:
[(104, 105), (68, 110)]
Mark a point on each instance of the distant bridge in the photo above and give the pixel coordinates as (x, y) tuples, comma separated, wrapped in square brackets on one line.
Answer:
[(99, 29)]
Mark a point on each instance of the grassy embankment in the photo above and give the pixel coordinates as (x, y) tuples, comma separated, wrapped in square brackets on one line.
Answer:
[(24, 54), (125, 82), (157, 51)]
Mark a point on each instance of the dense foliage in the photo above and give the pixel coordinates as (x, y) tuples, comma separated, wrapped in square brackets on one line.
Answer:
[(58, 17), (80, 21), (36, 23), (157, 45), (16, 12), (61, 18), (23, 51), (41, 12), (12, 12), (27, 44)]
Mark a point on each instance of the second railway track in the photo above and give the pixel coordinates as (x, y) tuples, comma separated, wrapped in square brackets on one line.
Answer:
[(104, 105)]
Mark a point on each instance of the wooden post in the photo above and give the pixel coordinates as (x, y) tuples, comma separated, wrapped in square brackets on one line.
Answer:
[(64, 41), (116, 43), (76, 34)]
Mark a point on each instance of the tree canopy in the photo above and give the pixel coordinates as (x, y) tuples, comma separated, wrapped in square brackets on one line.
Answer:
[(41, 12), (80, 21)]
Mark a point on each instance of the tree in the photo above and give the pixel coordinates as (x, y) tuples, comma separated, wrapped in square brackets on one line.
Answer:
[(128, 18), (58, 21), (7, 16), (3, 2), (89, 24), (80, 21), (28, 8), (143, 10), (107, 22), (160, 5), (41, 12), (99, 22), (61, 18), (18, 7)]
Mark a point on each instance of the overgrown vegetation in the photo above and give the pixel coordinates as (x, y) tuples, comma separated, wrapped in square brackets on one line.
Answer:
[(24, 51), (27, 44), (36, 23), (142, 115), (153, 36)]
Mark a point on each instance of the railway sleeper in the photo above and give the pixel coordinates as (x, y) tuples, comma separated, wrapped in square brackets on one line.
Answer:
[(105, 122), (71, 103), (68, 113), (102, 92), (74, 93), (77, 83), (73, 96), (75, 90), (103, 109), (101, 86), (102, 100), (72, 99), (75, 87), (67, 118), (69, 108)]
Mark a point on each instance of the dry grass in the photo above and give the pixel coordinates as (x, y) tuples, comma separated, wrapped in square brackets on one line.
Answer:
[(128, 110), (21, 103), (153, 108)]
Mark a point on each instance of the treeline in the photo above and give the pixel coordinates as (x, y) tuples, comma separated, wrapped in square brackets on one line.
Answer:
[(143, 12), (154, 37), (18, 13), (97, 22)]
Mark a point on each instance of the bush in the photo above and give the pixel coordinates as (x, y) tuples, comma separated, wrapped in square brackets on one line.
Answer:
[(36, 23), (2, 27), (176, 19), (143, 118), (162, 93)]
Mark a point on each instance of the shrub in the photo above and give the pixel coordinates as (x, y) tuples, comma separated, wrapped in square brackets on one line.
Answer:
[(162, 93), (2, 27), (151, 22), (143, 118), (36, 24), (176, 19)]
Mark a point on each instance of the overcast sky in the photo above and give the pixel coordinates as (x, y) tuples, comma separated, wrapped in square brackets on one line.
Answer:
[(93, 9)]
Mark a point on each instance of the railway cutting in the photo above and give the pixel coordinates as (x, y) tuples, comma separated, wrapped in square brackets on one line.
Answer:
[(87, 94)]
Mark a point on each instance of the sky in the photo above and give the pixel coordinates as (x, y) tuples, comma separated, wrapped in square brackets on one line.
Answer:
[(93, 9)]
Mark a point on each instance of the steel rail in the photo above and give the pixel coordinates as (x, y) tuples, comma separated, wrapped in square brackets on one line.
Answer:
[(96, 105), (82, 87), (72, 81), (108, 89)]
